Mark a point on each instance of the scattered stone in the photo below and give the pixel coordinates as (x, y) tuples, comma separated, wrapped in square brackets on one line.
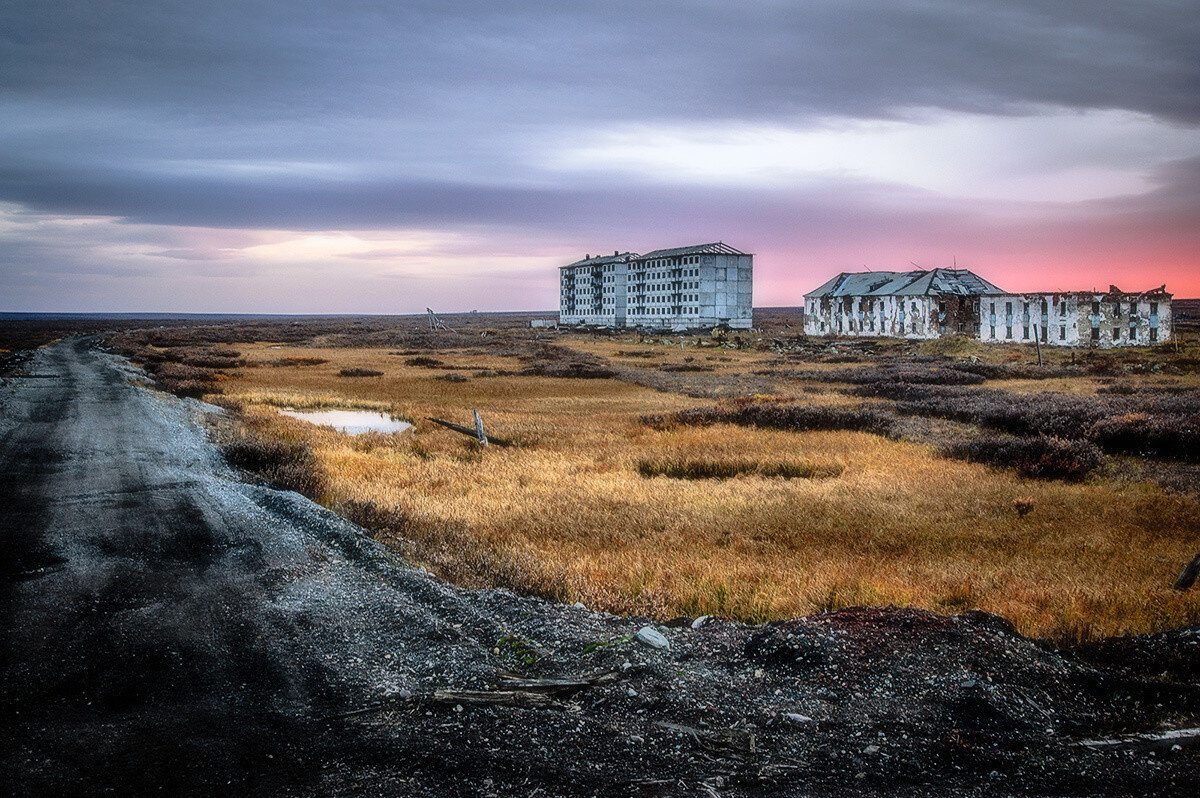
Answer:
[(650, 636), (703, 619)]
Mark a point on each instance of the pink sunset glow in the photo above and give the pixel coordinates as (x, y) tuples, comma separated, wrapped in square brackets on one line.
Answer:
[(381, 160)]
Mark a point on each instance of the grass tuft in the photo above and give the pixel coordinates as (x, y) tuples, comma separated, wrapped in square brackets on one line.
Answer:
[(701, 468)]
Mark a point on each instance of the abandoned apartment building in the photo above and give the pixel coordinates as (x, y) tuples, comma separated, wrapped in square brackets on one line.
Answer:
[(706, 285), (928, 304)]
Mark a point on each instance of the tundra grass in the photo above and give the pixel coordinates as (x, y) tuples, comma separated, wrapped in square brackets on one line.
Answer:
[(569, 513)]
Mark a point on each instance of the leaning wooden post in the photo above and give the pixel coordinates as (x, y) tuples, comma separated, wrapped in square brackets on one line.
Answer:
[(479, 433), (1190, 572)]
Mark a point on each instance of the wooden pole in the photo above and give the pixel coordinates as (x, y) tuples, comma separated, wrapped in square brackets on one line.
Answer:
[(492, 441), (1037, 339), (479, 433), (1188, 577)]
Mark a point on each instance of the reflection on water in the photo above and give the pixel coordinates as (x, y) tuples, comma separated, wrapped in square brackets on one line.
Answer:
[(351, 422)]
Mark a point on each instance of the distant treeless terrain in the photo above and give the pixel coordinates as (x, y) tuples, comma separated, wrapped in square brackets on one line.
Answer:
[(596, 504)]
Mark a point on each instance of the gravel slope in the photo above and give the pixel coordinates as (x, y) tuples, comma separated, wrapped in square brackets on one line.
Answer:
[(171, 629)]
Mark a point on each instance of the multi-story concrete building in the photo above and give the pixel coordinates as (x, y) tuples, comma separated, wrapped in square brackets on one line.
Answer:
[(930, 304), (592, 290), (687, 287), (917, 304), (1113, 318)]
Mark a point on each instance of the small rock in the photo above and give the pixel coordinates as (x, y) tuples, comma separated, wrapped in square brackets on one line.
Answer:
[(796, 717), (703, 619), (579, 605), (871, 749), (650, 636)]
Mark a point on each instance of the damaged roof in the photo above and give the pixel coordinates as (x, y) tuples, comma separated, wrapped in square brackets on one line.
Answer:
[(718, 248), (914, 283), (599, 260)]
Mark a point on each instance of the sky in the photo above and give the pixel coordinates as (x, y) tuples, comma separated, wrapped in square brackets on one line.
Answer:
[(348, 156)]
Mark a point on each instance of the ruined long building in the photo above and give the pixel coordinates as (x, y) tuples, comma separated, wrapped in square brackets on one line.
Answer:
[(927, 304), (705, 285)]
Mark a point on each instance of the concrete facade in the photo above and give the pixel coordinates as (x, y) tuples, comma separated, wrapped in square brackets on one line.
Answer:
[(592, 290), (1104, 320), (687, 287), (924, 305), (919, 305)]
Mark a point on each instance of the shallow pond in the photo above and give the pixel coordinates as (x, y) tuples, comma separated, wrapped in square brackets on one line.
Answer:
[(351, 422)]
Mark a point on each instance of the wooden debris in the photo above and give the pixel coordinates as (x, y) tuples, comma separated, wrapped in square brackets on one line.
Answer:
[(515, 691), (717, 740), (1190, 572), (435, 323), (480, 434), (474, 433), (511, 698), (1184, 738), (558, 685)]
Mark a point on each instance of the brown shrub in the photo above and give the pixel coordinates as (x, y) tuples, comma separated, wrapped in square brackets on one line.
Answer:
[(775, 415), (298, 361), (360, 373), (189, 388), (283, 464), (1037, 458), (684, 367), (578, 371)]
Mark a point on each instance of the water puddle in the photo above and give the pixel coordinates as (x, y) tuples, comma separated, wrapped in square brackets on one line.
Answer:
[(351, 422)]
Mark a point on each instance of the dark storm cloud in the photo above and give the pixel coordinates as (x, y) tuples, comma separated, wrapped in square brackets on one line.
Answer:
[(202, 113), (682, 59)]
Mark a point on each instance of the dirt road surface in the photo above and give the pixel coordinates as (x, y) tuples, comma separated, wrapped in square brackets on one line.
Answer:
[(172, 629)]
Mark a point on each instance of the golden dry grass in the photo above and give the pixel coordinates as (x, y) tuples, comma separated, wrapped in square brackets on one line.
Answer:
[(567, 513)]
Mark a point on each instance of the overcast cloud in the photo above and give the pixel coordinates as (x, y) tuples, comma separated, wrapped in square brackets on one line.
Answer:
[(381, 156)]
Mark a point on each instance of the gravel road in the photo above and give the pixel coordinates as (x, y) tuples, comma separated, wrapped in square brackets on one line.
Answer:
[(171, 629)]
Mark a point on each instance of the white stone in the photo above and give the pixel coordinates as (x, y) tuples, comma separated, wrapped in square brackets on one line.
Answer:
[(650, 636)]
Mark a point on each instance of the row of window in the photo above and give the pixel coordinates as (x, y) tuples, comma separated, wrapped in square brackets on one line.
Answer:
[(665, 287), (651, 300), (665, 312), (1062, 333), (1132, 307), (636, 276), (680, 261)]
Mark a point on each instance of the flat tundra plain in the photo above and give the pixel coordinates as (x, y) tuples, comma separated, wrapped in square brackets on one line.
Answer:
[(177, 624), (759, 476)]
